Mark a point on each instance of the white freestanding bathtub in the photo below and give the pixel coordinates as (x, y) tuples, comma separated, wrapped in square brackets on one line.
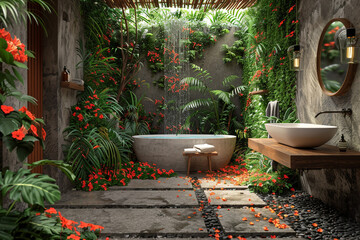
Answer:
[(165, 150)]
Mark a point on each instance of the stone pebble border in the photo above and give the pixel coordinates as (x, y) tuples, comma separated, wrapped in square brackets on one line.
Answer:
[(310, 212)]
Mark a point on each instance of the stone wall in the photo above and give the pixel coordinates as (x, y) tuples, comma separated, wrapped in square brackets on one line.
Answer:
[(339, 188), (65, 29), (212, 61), (9, 159)]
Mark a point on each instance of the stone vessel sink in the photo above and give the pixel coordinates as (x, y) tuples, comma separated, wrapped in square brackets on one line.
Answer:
[(301, 135)]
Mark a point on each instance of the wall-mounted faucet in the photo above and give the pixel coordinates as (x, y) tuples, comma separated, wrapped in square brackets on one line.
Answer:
[(346, 112)]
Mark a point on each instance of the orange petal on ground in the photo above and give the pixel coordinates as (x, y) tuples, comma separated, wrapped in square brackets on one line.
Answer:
[(200, 229), (266, 229), (224, 199), (212, 193), (251, 223), (319, 230), (244, 219), (314, 224), (218, 207)]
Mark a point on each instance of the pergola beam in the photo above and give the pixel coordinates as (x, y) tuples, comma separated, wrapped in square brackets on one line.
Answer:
[(195, 4)]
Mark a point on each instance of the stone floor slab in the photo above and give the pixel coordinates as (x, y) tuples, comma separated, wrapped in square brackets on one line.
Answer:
[(149, 222), (219, 184), (111, 238), (128, 198), (161, 183), (234, 198), (233, 223)]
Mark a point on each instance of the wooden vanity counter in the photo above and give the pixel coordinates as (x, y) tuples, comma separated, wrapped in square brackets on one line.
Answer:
[(325, 156)]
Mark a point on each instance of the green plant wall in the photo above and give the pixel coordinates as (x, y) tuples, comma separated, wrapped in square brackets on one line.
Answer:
[(271, 30)]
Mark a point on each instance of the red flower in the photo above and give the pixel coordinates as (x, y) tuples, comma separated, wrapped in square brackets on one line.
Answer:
[(34, 130), (274, 181), (285, 176), (43, 132), (101, 116), (51, 211), (80, 117), (28, 113), (74, 237), (7, 109), (18, 134)]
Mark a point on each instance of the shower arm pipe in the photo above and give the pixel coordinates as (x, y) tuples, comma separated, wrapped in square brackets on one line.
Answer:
[(346, 112)]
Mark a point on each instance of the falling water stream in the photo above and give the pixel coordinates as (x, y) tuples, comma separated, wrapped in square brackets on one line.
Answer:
[(176, 67)]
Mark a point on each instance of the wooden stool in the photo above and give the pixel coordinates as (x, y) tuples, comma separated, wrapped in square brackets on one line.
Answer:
[(208, 155)]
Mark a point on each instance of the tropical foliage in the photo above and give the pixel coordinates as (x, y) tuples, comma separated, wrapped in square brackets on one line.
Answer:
[(265, 63), (215, 112)]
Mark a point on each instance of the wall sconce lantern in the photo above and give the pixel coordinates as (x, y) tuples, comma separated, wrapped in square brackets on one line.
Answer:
[(294, 53), (350, 51)]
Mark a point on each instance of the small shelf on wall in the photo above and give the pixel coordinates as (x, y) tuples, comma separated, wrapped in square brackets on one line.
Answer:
[(323, 157), (258, 92), (71, 85)]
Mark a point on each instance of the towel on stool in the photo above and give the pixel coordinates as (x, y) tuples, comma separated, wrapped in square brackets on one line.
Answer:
[(190, 150), (205, 148)]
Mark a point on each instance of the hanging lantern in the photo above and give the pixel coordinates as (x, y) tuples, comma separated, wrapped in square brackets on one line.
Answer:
[(294, 53), (350, 52), (350, 45)]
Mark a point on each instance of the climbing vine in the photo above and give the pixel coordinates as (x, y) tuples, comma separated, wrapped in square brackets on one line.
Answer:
[(271, 30)]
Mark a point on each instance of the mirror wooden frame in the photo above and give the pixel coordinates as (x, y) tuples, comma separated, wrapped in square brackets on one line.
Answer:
[(351, 70)]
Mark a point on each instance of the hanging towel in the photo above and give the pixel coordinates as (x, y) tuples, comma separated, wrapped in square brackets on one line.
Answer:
[(272, 110), (205, 148)]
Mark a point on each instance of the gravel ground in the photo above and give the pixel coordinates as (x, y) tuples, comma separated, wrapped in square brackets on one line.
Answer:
[(311, 218)]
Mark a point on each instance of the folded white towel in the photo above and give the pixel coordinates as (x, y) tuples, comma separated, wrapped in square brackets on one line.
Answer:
[(205, 148), (190, 150)]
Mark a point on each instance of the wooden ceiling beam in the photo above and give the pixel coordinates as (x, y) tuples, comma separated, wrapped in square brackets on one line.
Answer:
[(195, 4)]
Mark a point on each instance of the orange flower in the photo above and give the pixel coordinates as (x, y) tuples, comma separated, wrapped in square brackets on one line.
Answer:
[(5, 34), (34, 130), (51, 211), (18, 134), (7, 109), (43, 133), (28, 113), (74, 237), (266, 229)]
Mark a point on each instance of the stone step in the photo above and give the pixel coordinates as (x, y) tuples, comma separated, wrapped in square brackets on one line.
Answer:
[(234, 198), (142, 222), (219, 184), (233, 222), (128, 198), (161, 183)]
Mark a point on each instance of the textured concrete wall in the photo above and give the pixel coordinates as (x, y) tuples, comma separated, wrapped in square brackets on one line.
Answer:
[(212, 61), (341, 187), (64, 30)]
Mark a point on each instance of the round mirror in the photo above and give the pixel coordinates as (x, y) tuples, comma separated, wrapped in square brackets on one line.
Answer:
[(335, 78)]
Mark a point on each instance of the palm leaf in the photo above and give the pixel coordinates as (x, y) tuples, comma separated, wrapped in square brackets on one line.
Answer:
[(196, 104), (224, 96)]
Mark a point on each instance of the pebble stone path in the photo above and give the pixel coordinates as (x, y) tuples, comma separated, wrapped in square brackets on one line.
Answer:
[(174, 208)]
